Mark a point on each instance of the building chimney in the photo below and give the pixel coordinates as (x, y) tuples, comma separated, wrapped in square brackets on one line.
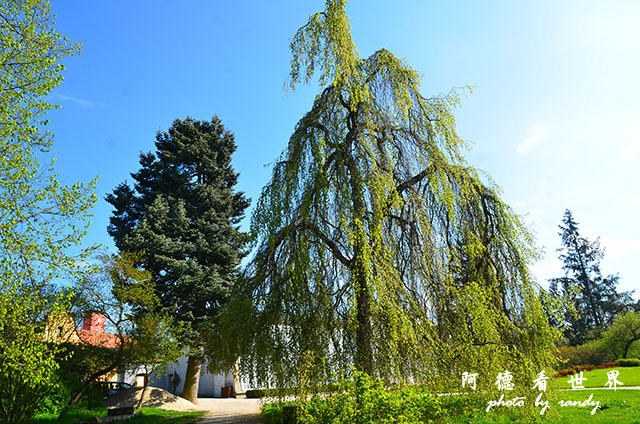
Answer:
[(94, 321)]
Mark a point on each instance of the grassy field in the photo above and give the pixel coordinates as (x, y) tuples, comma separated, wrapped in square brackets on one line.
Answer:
[(148, 416), (629, 376)]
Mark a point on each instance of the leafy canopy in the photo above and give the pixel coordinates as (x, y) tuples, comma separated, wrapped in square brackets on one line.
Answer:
[(377, 245), (124, 295), (41, 220), (623, 336)]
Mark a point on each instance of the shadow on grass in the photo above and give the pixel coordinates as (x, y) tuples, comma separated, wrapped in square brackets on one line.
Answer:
[(148, 416)]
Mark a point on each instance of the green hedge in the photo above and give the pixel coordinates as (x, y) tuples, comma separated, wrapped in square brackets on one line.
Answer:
[(262, 393), (629, 362)]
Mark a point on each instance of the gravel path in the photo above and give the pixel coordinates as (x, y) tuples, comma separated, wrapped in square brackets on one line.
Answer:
[(230, 411), (601, 388)]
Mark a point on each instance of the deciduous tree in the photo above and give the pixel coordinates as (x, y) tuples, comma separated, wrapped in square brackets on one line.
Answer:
[(156, 345), (622, 337), (377, 245), (124, 295), (41, 220)]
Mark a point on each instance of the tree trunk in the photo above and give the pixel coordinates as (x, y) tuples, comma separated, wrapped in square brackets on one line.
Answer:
[(192, 380), (144, 391), (627, 346), (364, 332), (587, 286), (237, 381), (364, 351)]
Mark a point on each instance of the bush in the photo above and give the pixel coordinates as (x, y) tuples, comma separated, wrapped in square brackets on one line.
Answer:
[(365, 400), (607, 365), (255, 394), (68, 385), (588, 367), (629, 362), (581, 355), (287, 391), (565, 372), (262, 393)]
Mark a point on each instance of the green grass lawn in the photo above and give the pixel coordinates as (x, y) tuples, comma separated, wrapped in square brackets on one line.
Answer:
[(148, 416), (619, 407), (72, 417), (629, 376), (615, 407)]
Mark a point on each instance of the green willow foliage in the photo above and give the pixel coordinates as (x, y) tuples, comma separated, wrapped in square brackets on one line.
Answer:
[(378, 246)]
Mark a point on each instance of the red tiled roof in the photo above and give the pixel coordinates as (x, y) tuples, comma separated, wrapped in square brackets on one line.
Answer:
[(93, 338)]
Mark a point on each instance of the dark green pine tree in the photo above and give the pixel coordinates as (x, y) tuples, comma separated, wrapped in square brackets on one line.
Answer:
[(183, 214), (595, 298)]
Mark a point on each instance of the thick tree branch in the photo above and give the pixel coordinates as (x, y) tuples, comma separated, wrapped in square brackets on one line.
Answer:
[(413, 180), (335, 249)]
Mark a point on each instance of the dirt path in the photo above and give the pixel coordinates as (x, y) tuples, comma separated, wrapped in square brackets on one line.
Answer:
[(602, 388), (230, 411)]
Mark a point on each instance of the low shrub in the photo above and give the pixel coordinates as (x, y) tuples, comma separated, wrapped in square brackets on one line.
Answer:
[(588, 367), (566, 372), (255, 393), (629, 362), (608, 365), (364, 400), (263, 393), (67, 384)]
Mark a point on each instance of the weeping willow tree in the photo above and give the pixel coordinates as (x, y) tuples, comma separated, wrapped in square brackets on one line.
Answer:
[(378, 248)]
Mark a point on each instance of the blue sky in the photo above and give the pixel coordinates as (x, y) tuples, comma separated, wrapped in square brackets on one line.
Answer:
[(554, 117)]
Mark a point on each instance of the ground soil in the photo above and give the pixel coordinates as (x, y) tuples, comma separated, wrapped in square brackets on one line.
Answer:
[(154, 398), (221, 411)]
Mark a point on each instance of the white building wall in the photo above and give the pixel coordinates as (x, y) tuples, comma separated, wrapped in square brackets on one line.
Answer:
[(210, 384), (130, 376)]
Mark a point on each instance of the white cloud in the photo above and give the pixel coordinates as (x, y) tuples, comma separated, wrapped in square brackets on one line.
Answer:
[(76, 100), (537, 135), (615, 248), (628, 201), (632, 199), (548, 268), (631, 136), (537, 213)]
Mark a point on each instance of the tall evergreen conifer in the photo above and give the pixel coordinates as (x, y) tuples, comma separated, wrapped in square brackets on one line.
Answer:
[(595, 298), (183, 214)]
